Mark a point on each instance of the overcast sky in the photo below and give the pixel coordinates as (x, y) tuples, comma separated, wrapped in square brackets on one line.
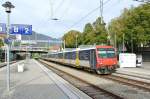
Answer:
[(39, 12)]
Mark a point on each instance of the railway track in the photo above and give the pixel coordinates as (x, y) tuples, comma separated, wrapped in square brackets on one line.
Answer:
[(126, 81), (130, 82), (4, 64), (92, 90), (141, 77), (140, 85)]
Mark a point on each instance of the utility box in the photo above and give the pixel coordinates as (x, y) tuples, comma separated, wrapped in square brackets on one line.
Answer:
[(20, 67), (127, 60)]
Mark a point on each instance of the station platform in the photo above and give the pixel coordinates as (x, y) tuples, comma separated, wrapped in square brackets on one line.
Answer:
[(143, 71), (146, 65), (37, 82)]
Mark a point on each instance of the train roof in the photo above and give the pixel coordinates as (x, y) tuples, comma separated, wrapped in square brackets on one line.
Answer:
[(73, 50), (82, 49), (100, 46)]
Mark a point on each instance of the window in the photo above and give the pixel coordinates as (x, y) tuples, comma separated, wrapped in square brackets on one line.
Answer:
[(106, 52)]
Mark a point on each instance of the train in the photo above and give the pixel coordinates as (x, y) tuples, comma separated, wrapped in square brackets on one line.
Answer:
[(101, 59)]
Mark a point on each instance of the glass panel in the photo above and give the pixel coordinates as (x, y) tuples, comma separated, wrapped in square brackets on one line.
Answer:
[(106, 52)]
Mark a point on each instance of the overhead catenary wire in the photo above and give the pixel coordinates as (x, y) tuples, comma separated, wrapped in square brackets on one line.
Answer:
[(59, 5), (144, 1), (65, 10), (51, 8), (97, 8)]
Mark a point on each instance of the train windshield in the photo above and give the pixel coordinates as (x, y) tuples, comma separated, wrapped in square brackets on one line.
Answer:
[(106, 52)]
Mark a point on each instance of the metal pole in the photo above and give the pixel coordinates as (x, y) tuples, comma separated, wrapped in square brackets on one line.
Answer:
[(76, 41), (101, 10), (5, 53), (123, 42), (115, 41), (29, 47), (51, 9), (64, 45), (8, 67), (132, 42)]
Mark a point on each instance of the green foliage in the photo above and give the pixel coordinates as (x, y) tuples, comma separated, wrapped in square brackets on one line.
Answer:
[(35, 55), (1, 43), (16, 43), (95, 33), (88, 34), (134, 23), (70, 38), (92, 34), (100, 31)]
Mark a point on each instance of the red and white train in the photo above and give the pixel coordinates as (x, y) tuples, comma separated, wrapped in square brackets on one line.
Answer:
[(102, 59)]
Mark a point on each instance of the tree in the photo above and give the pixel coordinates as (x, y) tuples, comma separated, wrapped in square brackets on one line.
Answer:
[(134, 23), (1, 43), (88, 35), (70, 38), (94, 33), (101, 32)]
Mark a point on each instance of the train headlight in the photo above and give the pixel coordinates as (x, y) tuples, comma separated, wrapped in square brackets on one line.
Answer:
[(114, 63), (100, 63)]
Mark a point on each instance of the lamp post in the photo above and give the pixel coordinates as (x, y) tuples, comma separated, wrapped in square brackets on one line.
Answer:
[(8, 5)]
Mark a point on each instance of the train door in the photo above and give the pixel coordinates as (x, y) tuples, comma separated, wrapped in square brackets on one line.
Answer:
[(93, 59)]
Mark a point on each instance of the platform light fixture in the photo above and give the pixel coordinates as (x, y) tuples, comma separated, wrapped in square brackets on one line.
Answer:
[(8, 6)]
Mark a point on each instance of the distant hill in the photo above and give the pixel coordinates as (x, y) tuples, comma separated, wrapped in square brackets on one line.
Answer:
[(37, 36)]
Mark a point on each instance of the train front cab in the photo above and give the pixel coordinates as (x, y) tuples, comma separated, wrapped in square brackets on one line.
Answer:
[(106, 59)]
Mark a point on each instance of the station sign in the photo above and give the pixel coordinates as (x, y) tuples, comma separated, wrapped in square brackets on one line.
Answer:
[(17, 29), (2, 28), (21, 29)]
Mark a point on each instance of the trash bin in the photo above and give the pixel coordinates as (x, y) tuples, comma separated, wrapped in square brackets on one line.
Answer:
[(20, 67)]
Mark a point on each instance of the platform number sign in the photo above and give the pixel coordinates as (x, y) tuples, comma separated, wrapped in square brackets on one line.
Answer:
[(21, 29), (2, 28), (27, 30), (15, 29)]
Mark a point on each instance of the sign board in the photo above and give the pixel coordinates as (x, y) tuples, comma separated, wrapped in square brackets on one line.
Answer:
[(2, 28), (127, 60), (21, 29)]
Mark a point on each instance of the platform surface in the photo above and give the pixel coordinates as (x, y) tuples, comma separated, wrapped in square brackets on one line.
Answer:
[(37, 82), (143, 71)]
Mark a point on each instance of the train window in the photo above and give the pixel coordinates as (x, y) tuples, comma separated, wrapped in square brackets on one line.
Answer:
[(106, 52), (102, 54), (68, 55), (84, 55), (74, 55), (110, 53)]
